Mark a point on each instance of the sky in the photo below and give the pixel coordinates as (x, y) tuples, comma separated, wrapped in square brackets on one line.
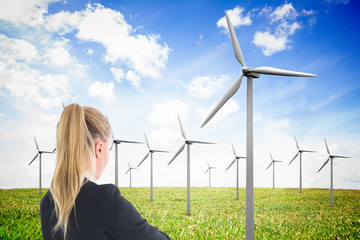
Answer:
[(143, 63)]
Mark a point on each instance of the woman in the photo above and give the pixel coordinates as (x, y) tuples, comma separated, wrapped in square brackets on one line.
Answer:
[(77, 208)]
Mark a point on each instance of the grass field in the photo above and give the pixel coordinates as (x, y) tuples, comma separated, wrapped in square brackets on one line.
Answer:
[(215, 213)]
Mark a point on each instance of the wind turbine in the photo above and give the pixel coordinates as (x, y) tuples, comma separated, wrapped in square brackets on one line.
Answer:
[(237, 169), (273, 163), (129, 170), (39, 154), (300, 151), (188, 142), (116, 142), (209, 170), (151, 151), (250, 73), (331, 157)]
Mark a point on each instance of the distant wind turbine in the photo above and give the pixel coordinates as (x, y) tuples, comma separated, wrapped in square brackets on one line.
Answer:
[(129, 170), (300, 151), (250, 73), (188, 142), (209, 170), (116, 142), (39, 154), (330, 158), (237, 169), (151, 151), (273, 163)]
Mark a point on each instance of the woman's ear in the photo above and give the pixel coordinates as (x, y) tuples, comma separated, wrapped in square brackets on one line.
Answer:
[(99, 148)]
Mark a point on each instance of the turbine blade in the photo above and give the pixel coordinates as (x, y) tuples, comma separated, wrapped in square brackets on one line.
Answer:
[(194, 141), (327, 148), (233, 149), (232, 90), (278, 161), (125, 141), (129, 164), (208, 164), (33, 159), (147, 143), (235, 42), (63, 105), (294, 157), (37, 147), (297, 145), (127, 171), (144, 159), (338, 156), (281, 72), (310, 151), (181, 128), (177, 153), (54, 150), (207, 170), (231, 164), (271, 157), (324, 164), (269, 166), (46, 152), (161, 151)]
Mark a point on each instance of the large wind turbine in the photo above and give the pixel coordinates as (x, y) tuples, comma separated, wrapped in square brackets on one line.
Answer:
[(209, 170), (188, 142), (39, 154), (273, 163), (250, 73), (116, 142), (151, 151), (129, 170), (237, 169), (300, 151), (331, 157)]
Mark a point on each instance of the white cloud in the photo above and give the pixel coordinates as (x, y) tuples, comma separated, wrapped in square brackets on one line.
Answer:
[(230, 106), (236, 17), (24, 12), (163, 137), (199, 40), (117, 73), (133, 78), (142, 53), (90, 51), (345, 2), (17, 49), (1, 115), (58, 54), (62, 22), (281, 13), (105, 91), (205, 86), (47, 90), (269, 43), (165, 114)]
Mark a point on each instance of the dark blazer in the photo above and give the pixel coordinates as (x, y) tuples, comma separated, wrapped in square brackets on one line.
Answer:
[(101, 213)]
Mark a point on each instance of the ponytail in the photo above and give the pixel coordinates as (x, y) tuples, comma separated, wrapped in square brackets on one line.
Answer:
[(77, 129)]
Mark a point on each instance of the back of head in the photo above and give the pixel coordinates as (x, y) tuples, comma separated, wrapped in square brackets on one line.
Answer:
[(77, 130)]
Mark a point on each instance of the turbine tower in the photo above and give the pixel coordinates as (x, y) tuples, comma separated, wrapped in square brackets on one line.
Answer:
[(237, 170), (273, 163), (188, 142), (129, 170), (209, 170), (151, 151), (300, 151), (250, 73), (330, 158), (39, 154), (117, 142)]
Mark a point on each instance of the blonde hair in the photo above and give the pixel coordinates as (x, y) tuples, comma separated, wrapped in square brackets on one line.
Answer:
[(77, 129)]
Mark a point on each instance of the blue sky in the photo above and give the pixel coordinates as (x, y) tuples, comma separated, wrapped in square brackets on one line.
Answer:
[(142, 63)]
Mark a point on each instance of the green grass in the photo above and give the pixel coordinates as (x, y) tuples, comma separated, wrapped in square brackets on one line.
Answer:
[(215, 213)]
